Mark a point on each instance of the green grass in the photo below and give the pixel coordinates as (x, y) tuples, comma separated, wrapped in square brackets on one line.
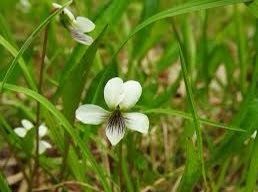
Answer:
[(197, 63)]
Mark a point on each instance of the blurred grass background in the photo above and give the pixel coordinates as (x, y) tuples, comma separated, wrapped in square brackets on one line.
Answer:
[(219, 48)]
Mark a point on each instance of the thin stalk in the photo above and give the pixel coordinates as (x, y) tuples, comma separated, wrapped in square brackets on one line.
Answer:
[(194, 114), (41, 75), (111, 164), (66, 152), (120, 166)]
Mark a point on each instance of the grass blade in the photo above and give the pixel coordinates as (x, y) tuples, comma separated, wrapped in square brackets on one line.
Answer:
[(188, 7), (194, 112), (189, 117), (3, 184), (21, 62)]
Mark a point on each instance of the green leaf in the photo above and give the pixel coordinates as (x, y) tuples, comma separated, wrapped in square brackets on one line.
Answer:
[(5, 30), (73, 61), (75, 81), (196, 121), (112, 14), (184, 115), (21, 62), (187, 7), (252, 172), (192, 169), (3, 184), (253, 169), (170, 56), (253, 6), (149, 9)]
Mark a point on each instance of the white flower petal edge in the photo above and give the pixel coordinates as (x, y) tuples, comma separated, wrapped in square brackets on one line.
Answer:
[(43, 146), (27, 124), (80, 37), (113, 92), (91, 114), (20, 131), (137, 122), (132, 93), (114, 135), (84, 24), (42, 130)]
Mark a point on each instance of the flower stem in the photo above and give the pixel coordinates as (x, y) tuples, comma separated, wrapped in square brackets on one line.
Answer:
[(41, 75), (65, 156), (120, 151)]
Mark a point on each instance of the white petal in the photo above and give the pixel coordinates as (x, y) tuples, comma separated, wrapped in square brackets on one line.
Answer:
[(113, 92), (132, 93), (137, 122), (84, 24), (80, 37), (42, 130), (114, 135), (20, 131), (43, 146), (27, 124), (91, 114)]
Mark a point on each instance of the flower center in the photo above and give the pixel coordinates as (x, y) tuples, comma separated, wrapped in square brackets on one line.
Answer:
[(116, 121)]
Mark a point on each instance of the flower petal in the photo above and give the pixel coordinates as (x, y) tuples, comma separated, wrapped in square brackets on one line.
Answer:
[(43, 146), (80, 37), (84, 24), (91, 114), (113, 92), (132, 93), (42, 130), (137, 122), (114, 134), (20, 131), (27, 124)]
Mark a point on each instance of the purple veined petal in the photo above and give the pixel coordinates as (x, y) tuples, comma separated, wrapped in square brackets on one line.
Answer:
[(114, 134), (80, 37)]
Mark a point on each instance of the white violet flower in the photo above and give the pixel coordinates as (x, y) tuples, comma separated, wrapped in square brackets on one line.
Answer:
[(27, 126), (77, 26), (120, 97)]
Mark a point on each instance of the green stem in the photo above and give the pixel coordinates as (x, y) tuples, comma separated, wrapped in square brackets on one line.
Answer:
[(66, 152), (121, 165), (194, 114), (41, 75)]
